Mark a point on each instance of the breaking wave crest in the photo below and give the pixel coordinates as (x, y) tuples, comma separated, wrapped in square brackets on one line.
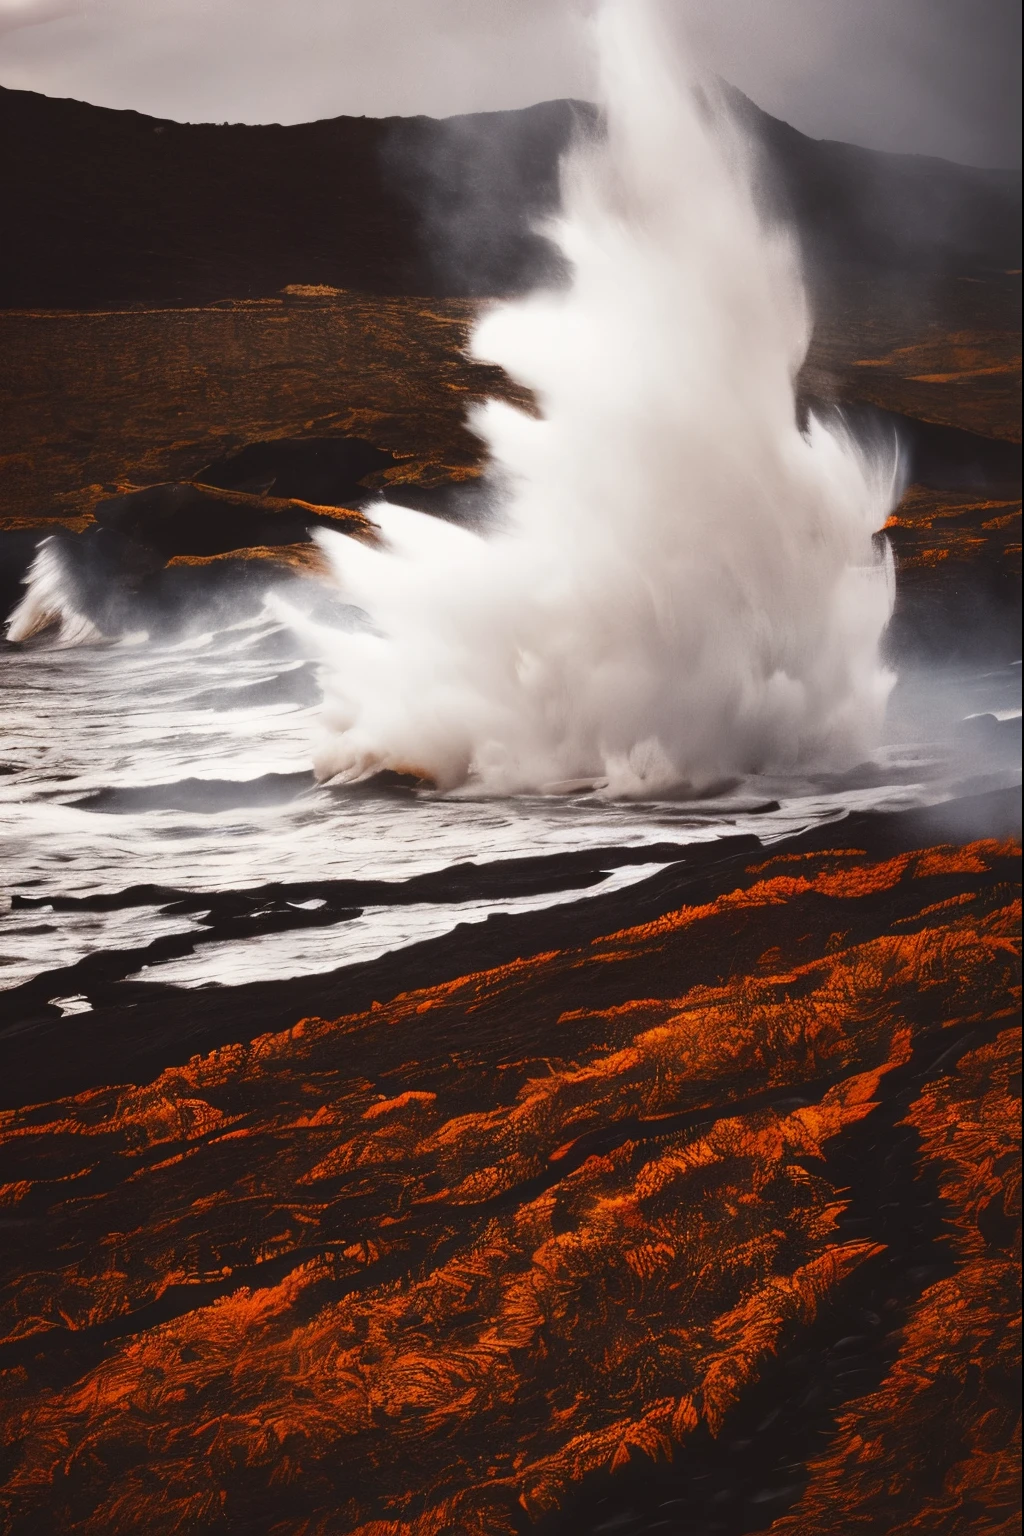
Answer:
[(50, 604)]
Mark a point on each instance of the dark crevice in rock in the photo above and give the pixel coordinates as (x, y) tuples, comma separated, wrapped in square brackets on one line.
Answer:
[(327, 471)]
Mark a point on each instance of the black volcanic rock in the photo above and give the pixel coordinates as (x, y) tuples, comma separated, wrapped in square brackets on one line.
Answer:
[(327, 471), (199, 520), (110, 207)]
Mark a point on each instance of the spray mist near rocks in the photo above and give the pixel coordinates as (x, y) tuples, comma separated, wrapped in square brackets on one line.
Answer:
[(681, 585)]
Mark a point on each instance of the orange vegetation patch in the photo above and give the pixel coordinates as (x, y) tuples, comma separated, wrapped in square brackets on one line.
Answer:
[(949, 354), (425, 1267), (943, 1430), (149, 395)]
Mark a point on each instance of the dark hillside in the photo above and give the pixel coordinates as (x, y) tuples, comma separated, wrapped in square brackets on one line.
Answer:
[(107, 207)]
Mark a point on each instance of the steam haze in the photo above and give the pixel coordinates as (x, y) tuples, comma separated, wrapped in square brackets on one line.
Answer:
[(938, 77)]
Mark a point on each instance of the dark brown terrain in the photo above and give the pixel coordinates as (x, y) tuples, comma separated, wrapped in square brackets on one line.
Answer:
[(693, 1208)]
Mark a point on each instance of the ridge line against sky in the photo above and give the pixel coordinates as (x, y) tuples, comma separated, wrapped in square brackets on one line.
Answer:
[(937, 77)]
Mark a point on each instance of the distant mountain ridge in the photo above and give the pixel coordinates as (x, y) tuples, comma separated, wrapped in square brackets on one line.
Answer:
[(111, 207)]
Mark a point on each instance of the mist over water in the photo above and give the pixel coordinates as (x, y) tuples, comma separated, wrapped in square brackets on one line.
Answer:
[(681, 585)]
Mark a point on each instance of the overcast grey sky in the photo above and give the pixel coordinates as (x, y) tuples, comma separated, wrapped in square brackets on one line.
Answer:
[(935, 77)]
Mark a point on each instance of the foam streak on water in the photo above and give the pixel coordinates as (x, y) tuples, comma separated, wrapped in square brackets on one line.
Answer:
[(684, 586)]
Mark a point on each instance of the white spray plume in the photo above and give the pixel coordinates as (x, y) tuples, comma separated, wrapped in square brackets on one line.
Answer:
[(683, 587), (49, 602)]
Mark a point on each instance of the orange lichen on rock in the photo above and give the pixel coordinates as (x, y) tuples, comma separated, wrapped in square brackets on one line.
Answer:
[(308, 558), (931, 526), (328, 1281)]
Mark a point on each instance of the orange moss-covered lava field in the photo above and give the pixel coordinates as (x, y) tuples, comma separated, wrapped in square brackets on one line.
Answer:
[(718, 1210)]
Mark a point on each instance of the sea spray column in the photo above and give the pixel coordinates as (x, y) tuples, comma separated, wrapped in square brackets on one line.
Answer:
[(682, 585)]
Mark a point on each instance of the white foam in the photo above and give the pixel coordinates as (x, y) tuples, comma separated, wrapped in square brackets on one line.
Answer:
[(684, 585)]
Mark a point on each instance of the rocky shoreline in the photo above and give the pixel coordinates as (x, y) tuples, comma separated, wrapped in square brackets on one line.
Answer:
[(453, 1255)]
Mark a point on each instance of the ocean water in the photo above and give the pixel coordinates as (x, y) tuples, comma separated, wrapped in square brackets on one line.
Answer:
[(186, 764)]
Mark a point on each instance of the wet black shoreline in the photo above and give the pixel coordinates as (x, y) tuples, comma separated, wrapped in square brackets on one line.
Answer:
[(137, 1028)]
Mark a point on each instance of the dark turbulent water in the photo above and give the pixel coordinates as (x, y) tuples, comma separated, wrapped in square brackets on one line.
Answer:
[(185, 766)]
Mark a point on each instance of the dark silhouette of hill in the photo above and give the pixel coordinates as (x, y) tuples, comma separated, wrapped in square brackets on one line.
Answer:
[(107, 207), (910, 213)]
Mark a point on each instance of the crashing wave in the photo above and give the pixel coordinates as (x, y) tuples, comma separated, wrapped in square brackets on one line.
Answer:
[(49, 604), (684, 584)]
